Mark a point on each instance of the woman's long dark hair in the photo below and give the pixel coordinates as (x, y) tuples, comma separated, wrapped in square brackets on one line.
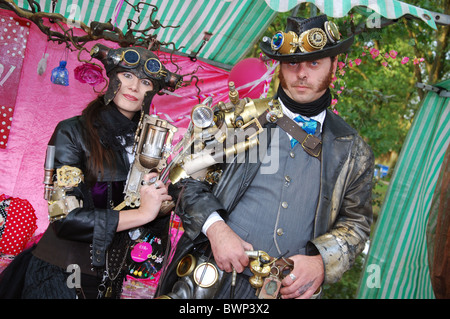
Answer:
[(97, 155)]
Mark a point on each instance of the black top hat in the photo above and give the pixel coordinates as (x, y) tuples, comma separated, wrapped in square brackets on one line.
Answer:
[(306, 39)]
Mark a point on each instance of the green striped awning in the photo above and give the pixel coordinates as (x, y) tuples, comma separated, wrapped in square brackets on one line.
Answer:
[(390, 9), (235, 25), (397, 264)]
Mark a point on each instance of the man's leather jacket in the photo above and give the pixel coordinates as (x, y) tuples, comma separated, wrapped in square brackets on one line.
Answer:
[(344, 211)]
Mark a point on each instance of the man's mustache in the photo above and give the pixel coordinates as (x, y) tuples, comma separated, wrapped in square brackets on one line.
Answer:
[(300, 83)]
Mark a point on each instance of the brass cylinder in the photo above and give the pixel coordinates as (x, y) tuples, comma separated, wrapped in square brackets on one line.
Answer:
[(48, 181), (239, 148), (313, 40), (233, 94)]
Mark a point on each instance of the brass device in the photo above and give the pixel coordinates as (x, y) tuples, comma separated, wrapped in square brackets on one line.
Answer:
[(49, 169), (59, 203), (152, 150), (217, 133), (259, 266), (268, 272), (309, 41), (57, 185), (312, 40), (199, 277), (285, 43)]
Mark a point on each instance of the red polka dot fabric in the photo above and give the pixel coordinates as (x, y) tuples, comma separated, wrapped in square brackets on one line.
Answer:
[(6, 114), (18, 226), (13, 42)]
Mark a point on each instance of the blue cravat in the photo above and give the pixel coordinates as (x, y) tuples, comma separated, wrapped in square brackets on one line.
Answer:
[(309, 126)]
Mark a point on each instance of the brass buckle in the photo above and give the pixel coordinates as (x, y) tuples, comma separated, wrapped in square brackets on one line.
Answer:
[(308, 150), (260, 128)]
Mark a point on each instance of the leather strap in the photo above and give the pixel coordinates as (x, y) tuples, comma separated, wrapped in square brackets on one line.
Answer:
[(310, 143)]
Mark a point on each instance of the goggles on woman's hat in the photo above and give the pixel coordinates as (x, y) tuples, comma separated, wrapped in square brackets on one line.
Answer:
[(141, 62), (151, 67), (306, 39)]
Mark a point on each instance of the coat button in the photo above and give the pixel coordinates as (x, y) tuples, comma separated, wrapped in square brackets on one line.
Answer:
[(280, 231), (291, 154), (284, 205)]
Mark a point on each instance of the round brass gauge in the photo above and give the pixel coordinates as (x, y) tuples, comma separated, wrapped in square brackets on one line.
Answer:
[(332, 31), (206, 275), (313, 39), (186, 265)]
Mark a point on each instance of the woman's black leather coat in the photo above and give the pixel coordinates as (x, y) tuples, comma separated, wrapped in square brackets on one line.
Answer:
[(84, 236), (87, 231)]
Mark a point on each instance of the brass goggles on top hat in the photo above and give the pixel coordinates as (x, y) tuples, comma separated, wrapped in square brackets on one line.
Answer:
[(309, 41), (130, 58)]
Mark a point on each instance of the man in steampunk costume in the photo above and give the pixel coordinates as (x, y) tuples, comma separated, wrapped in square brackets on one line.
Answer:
[(315, 211)]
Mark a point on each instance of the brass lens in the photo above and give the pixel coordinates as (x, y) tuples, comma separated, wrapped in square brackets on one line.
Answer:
[(131, 57)]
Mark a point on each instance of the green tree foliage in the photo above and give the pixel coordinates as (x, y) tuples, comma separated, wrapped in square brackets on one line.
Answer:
[(379, 96)]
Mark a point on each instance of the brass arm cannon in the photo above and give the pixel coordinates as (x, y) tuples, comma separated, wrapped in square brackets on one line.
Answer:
[(218, 133)]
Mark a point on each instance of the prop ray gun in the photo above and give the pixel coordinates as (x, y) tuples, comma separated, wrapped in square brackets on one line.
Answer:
[(152, 150)]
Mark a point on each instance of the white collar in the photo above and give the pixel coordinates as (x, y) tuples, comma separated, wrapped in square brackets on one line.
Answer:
[(319, 117)]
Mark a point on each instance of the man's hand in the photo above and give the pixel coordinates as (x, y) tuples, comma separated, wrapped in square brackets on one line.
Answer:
[(228, 248), (305, 278)]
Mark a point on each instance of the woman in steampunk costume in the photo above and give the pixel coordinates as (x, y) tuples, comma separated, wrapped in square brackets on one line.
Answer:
[(86, 232), (314, 212)]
